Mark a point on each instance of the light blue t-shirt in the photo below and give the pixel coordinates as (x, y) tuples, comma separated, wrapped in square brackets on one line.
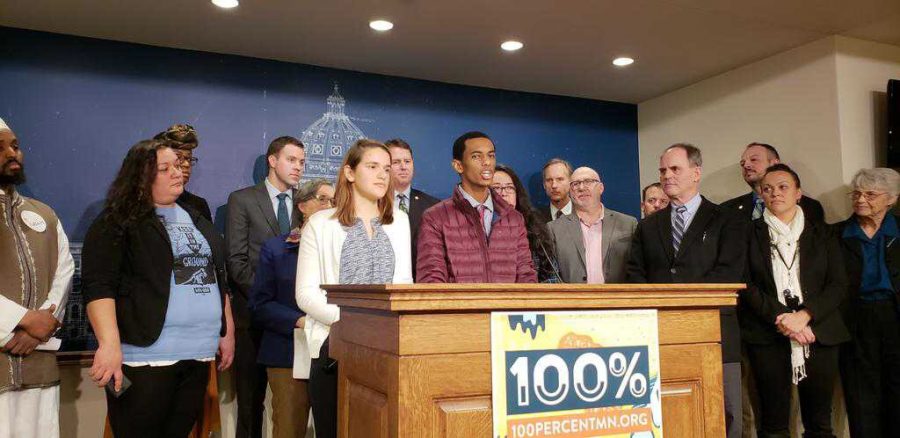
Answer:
[(193, 318)]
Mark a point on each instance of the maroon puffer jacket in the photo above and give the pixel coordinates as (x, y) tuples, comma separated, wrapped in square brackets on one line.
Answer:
[(452, 247)]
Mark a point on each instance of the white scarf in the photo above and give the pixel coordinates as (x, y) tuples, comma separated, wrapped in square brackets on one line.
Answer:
[(785, 240)]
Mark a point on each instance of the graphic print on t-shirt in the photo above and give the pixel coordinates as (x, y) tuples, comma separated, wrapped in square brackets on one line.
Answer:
[(193, 257)]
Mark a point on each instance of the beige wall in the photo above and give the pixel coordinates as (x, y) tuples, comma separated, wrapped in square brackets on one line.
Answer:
[(863, 69), (82, 405), (788, 100), (822, 105)]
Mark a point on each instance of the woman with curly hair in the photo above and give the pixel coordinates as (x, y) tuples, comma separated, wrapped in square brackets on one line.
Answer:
[(508, 186), (157, 297)]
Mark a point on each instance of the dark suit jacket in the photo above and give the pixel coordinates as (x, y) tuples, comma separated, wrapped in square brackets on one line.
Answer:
[(251, 221), (822, 278), (853, 260), (713, 250), (618, 229), (543, 213), (812, 209), (197, 203), (273, 301), (419, 202)]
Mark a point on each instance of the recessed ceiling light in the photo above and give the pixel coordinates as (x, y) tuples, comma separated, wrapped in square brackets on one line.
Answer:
[(227, 4), (623, 61), (381, 25), (511, 45)]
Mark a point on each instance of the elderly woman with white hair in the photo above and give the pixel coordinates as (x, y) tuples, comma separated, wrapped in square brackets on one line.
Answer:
[(871, 252)]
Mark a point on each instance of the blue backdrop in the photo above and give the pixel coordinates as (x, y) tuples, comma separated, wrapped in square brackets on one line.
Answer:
[(77, 105)]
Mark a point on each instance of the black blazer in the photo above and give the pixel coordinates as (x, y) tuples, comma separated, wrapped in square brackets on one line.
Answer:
[(713, 250), (197, 203), (544, 213), (134, 267), (812, 209), (250, 222), (822, 278), (418, 203), (852, 253)]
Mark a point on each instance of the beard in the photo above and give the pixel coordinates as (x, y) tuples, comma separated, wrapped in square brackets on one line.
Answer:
[(15, 178)]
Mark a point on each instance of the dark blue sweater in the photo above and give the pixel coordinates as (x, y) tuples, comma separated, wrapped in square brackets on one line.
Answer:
[(273, 303)]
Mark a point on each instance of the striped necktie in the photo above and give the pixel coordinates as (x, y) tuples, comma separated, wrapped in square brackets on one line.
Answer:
[(758, 207), (403, 205), (678, 227)]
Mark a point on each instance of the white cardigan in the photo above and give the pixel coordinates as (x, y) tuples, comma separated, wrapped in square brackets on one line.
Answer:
[(318, 263)]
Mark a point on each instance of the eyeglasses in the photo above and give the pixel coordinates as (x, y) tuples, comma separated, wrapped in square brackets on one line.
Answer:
[(504, 189), (587, 183), (168, 168), (869, 195), (325, 200), (188, 161)]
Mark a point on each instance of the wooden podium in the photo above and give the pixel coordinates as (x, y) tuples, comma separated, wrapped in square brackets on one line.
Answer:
[(414, 360)]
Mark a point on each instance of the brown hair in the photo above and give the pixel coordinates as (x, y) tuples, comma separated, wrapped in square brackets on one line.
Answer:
[(343, 193), (556, 161), (279, 143), (693, 153), (398, 143)]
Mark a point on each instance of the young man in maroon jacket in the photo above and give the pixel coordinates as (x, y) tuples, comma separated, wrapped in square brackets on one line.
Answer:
[(473, 237)]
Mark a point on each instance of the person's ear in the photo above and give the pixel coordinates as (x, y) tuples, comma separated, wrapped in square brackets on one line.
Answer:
[(272, 159), (457, 166), (349, 174)]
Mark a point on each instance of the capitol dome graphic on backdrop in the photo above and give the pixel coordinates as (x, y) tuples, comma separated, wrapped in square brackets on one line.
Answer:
[(328, 138)]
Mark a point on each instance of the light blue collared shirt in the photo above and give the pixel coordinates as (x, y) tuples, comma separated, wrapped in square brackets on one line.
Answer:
[(273, 196), (692, 206), (488, 204)]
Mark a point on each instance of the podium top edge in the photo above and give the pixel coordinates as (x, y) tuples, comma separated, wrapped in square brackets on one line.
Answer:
[(530, 287)]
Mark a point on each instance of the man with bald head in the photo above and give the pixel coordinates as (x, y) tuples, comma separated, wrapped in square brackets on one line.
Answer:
[(592, 242), (35, 277), (757, 157), (695, 241)]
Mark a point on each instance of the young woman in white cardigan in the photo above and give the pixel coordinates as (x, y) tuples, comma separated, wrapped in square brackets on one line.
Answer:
[(363, 240)]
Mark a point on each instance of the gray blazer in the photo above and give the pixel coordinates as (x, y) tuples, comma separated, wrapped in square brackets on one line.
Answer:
[(617, 231), (250, 221)]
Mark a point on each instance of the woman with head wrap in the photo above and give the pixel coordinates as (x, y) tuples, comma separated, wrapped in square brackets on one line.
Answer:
[(183, 140)]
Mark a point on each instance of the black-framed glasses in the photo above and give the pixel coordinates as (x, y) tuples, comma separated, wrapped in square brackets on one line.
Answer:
[(587, 183), (504, 189)]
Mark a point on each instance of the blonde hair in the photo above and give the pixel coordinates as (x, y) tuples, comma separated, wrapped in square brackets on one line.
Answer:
[(343, 190)]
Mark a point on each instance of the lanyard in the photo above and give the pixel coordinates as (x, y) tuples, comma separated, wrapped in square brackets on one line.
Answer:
[(793, 260)]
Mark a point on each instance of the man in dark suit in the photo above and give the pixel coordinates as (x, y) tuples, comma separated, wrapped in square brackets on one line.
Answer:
[(695, 241), (183, 140), (411, 201), (256, 214), (757, 157), (592, 243), (557, 174)]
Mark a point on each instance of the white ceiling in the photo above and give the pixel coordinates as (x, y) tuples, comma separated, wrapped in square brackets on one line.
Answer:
[(569, 44)]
